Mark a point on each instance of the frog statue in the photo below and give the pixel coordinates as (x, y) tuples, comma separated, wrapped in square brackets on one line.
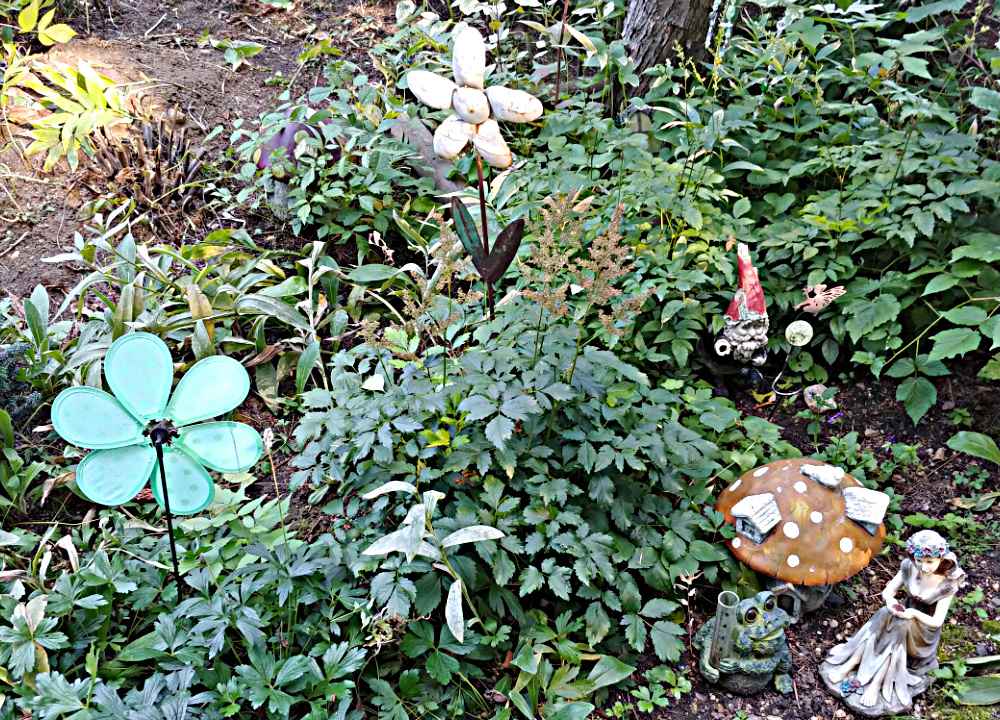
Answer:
[(759, 648)]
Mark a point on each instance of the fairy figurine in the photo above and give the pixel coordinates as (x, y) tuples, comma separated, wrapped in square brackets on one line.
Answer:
[(889, 661)]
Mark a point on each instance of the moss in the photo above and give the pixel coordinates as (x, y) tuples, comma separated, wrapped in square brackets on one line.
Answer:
[(956, 643), (991, 627), (946, 710)]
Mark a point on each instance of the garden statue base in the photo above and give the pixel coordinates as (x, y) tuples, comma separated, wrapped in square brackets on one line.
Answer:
[(759, 649)]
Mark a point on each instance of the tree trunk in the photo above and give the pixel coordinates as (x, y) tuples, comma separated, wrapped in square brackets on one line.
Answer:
[(654, 27)]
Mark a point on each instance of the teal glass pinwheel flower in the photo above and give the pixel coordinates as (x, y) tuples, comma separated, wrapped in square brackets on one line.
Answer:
[(139, 371)]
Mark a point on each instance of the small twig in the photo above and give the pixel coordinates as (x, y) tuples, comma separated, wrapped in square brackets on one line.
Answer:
[(155, 25), (15, 244)]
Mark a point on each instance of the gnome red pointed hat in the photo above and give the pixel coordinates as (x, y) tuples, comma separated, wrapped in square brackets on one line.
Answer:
[(748, 302)]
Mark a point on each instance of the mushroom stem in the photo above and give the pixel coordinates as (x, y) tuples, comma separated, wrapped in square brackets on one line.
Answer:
[(486, 230)]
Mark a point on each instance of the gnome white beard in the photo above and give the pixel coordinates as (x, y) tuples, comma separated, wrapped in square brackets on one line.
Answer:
[(746, 336)]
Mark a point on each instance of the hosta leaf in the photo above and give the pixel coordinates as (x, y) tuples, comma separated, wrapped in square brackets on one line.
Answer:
[(503, 251), (975, 444), (609, 671), (982, 690), (957, 341), (918, 396), (453, 611), (473, 533), (465, 226)]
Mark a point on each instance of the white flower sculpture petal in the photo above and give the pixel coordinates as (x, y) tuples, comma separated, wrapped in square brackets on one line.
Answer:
[(431, 89), (468, 58), (515, 106), (471, 104), (491, 145), (452, 136)]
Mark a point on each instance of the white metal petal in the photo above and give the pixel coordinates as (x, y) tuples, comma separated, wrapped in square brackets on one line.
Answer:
[(452, 136), (468, 59), (511, 105), (471, 105), (430, 88), (491, 145)]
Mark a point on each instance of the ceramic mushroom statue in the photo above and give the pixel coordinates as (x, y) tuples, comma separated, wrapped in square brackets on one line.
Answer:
[(889, 660), (806, 525), (476, 108)]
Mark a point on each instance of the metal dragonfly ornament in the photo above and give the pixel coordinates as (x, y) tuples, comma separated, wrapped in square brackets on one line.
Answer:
[(141, 433), (476, 110)]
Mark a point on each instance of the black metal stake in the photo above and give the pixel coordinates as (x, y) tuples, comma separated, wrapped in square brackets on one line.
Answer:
[(160, 435)]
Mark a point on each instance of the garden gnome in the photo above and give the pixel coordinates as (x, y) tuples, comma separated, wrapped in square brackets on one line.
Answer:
[(740, 348), (889, 661)]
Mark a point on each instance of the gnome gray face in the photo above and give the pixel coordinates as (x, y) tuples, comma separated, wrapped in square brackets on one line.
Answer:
[(745, 340)]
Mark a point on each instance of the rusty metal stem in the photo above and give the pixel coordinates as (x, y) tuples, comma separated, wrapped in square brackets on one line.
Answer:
[(559, 50), (486, 228)]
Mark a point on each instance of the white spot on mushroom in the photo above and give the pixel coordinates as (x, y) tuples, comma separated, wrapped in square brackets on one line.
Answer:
[(816, 516), (760, 471), (732, 488), (846, 544), (791, 530), (800, 487), (793, 561), (812, 569), (779, 489), (737, 542)]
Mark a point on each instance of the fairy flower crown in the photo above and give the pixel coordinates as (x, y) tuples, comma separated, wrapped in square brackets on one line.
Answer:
[(927, 544)]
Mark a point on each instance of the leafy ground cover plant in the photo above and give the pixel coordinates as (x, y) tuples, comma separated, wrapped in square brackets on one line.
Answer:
[(599, 482)]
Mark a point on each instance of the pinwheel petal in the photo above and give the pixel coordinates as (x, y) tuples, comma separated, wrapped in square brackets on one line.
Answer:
[(212, 387), (139, 372), (430, 88), (223, 446), (93, 419), (468, 58), (190, 487), (113, 477)]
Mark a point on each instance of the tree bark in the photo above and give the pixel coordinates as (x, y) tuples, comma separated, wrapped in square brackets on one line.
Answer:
[(654, 27)]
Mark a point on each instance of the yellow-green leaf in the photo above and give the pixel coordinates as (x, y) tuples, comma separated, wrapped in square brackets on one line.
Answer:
[(27, 18), (46, 19), (60, 33)]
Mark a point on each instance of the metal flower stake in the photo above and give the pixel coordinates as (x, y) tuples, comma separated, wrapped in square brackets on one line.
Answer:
[(473, 104), (143, 433)]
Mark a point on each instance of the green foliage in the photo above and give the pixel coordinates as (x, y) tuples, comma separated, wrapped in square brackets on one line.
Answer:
[(345, 180)]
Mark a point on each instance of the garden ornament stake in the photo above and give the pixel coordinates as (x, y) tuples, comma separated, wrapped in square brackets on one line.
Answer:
[(143, 434), (471, 122), (806, 525)]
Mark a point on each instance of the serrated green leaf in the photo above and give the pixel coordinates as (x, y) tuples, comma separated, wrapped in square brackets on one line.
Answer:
[(918, 396), (957, 341)]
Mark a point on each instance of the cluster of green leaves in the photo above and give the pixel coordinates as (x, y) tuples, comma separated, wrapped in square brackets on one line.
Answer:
[(600, 482), (345, 178), (866, 168), (268, 623)]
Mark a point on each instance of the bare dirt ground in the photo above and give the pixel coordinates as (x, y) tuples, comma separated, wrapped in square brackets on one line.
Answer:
[(154, 49)]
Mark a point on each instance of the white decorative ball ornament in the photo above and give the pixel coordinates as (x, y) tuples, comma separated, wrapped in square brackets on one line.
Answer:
[(799, 333)]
